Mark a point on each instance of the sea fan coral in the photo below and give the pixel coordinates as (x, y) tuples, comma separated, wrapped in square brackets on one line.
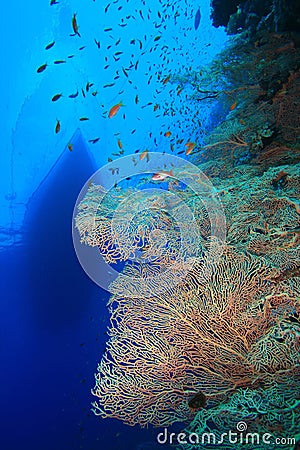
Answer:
[(206, 335)]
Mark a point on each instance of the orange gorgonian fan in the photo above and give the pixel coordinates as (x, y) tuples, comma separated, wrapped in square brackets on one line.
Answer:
[(209, 334)]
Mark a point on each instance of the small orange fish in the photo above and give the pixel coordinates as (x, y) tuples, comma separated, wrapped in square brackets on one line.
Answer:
[(190, 143), (144, 155), (233, 106), (70, 147), (155, 107), (167, 133), (166, 79), (162, 175), (189, 150), (179, 91), (189, 147), (113, 111), (75, 25), (120, 145), (57, 127)]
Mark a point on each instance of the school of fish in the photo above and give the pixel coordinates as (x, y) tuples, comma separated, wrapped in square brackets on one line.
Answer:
[(168, 104)]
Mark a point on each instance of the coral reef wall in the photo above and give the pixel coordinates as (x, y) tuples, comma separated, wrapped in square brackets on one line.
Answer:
[(252, 16), (221, 349)]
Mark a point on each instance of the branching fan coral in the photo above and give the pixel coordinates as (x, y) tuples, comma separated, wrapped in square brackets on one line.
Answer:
[(212, 335)]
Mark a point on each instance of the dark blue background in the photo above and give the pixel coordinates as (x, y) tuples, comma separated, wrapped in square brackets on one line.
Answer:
[(53, 325)]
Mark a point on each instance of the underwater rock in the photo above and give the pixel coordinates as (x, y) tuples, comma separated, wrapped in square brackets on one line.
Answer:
[(251, 16)]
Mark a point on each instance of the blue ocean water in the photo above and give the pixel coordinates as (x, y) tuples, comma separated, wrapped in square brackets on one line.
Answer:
[(53, 317)]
